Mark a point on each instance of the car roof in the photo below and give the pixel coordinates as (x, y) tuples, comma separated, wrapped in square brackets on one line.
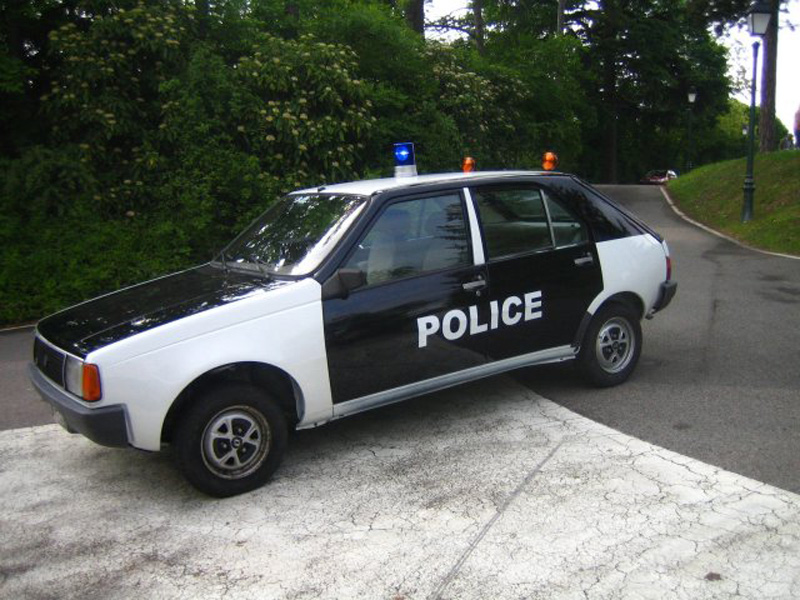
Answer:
[(367, 187)]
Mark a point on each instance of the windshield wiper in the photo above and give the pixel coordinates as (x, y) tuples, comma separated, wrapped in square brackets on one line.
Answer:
[(221, 259), (251, 264), (259, 264)]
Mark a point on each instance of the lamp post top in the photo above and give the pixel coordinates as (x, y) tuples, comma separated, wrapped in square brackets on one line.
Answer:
[(758, 18)]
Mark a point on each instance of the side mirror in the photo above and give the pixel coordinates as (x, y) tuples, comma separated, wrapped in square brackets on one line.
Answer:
[(342, 283)]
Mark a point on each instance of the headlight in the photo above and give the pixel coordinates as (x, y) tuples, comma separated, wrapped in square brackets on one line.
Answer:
[(73, 376), (82, 379)]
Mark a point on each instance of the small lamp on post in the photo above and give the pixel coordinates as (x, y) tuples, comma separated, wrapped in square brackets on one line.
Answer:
[(757, 21), (691, 96)]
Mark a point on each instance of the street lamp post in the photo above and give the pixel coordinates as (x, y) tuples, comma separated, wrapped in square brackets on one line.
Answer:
[(757, 21), (691, 96)]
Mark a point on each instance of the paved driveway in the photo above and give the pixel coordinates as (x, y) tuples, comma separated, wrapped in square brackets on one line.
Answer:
[(484, 491)]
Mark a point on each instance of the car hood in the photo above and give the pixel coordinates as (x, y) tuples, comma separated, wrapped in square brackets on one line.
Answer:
[(86, 327)]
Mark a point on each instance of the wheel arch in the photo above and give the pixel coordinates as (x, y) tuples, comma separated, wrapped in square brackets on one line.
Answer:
[(277, 382), (628, 298)]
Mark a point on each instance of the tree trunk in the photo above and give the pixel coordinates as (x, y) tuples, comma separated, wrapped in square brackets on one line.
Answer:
[(611, 145), (610, 107), (202, 17), (560, 18), (480, 25), (766, 120), (415, 15)]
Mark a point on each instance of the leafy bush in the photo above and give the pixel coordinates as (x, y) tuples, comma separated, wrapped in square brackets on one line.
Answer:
[(162, 150)]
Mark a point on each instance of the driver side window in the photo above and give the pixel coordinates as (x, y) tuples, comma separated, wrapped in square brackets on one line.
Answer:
[(413, 237)]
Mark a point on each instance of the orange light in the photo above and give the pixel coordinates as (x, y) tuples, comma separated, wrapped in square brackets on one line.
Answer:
[(91, 383), (468, 164), (549, 161)]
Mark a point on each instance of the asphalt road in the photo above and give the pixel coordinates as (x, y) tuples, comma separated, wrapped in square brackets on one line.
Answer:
[(20, 405), (719, 377)]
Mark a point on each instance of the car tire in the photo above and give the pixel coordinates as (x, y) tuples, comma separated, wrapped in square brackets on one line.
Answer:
[(231, 440), (611, 346)]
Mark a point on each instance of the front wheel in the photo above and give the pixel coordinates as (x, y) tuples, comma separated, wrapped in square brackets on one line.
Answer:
[(231, 440), (612, 346)]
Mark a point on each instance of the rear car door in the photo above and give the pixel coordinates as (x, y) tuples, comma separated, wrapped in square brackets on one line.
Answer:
[(409, 322), (543, 269)]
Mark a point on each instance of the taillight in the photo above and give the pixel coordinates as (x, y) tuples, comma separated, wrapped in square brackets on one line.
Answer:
[(669, 268)]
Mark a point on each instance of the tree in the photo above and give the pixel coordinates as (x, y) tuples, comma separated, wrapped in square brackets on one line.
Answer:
[(724, 13), (644, 56)]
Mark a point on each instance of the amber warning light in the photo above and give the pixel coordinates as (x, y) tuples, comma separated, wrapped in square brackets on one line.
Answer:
[(549, 161), (468, 164)]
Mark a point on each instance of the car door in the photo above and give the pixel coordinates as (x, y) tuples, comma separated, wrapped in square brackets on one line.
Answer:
[(543, 269), (409, 322)]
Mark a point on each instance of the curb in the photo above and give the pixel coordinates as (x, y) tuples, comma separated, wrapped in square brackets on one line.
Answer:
[(17, 328), (688, 219)]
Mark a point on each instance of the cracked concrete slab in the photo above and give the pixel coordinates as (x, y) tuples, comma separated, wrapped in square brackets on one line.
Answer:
[(483, 491)]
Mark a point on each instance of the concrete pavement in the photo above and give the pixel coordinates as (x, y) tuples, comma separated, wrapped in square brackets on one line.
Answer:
[(482, 491)]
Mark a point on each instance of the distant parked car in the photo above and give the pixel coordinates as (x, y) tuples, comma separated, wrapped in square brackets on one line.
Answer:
[(659, 176)]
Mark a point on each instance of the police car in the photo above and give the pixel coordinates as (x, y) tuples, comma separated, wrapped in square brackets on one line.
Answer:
[(348, 297)]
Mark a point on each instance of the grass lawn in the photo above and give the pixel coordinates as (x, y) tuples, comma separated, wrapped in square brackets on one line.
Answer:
[(713, 195)]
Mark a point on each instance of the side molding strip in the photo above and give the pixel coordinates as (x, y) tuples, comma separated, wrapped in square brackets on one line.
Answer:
[(357, 405)]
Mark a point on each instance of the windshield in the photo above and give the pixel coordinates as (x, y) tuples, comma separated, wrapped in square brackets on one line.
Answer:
[(295, 235)]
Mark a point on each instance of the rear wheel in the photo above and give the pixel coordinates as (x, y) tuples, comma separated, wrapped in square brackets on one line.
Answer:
[(612, 345), (231, 440)]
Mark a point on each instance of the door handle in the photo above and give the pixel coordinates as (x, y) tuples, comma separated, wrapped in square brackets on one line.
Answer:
[(472, 286), (585, 260)]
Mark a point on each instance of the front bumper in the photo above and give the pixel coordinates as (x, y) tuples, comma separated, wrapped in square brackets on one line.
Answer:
[(668, 289), (106, 425)]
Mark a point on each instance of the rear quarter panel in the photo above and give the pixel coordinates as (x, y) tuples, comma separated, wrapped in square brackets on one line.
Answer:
[(634, 264)]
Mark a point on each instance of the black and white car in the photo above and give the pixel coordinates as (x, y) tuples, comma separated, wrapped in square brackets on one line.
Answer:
[(348, 297)]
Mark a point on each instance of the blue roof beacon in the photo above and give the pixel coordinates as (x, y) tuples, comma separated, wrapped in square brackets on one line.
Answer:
[(405, 163)]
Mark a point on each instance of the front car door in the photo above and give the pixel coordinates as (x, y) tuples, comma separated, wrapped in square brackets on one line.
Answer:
[(410, 322)]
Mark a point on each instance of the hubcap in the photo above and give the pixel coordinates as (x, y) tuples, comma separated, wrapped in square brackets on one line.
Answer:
[(235, 442), (615, 345)]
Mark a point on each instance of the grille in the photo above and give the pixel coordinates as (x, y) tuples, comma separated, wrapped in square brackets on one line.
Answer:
[(49, 360)]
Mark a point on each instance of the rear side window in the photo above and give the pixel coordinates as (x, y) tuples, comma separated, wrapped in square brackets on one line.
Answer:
[(567, 229), (413, 237), (605, 220), (520, 220)]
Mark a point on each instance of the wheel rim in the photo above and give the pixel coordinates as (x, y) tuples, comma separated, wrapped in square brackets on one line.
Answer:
[(236, 442), (615, 345)]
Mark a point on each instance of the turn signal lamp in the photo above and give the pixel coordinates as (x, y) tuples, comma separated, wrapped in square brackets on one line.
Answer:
[(549, 161), (468, 164), (405, 162), (82, 379), (91, 383)]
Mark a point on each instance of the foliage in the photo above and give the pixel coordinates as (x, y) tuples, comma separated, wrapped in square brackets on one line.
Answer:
[(713, 195), (161, 150), (144, 133)]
